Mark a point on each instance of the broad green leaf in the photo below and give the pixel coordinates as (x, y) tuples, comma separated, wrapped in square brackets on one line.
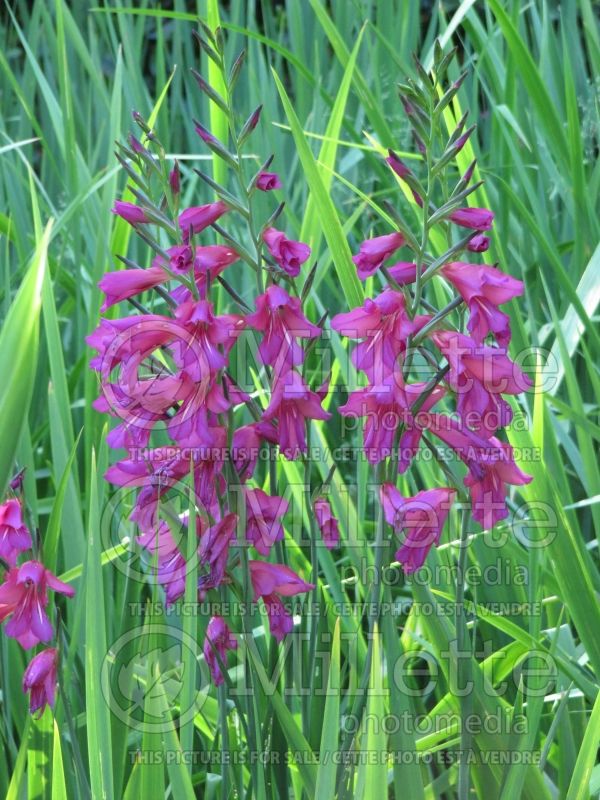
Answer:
[(98, 715), (331, 723), (579, 788), (18, 354)]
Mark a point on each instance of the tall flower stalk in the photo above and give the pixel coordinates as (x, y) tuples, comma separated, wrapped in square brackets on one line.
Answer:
[(402, 333), (171, 375)]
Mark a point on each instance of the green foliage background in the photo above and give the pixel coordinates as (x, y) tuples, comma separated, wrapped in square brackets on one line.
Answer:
[(70, 76)]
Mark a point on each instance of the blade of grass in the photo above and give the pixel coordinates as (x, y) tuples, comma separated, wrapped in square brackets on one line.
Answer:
[(19, 349), (329, 219)]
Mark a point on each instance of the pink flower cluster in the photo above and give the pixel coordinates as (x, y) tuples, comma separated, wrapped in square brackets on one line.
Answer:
[(170, 375), (24, 602), (478, 374)]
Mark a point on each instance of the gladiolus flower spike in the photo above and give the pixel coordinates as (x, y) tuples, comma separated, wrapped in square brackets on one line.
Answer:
[(172, 375)]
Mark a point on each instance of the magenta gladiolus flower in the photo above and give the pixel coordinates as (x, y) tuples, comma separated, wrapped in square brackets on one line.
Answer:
[(214, 550), (211, 259), (422, 518), (125, 283), (267, 181), (483, 289), (404, 272), (129, 212), (208, 262), (491, 466), (280, 318), (220, 638), (271, 582), (39, 679), (197, 218), (487, 479), (479, 219), (385, 326), (373, 252), (157, 469), (24, 597), (246, 445), (210, 331), (292, 403), (386, 406), (167, 561), (181, 259), (117, 340), (14, 536), (479, 243), (328, 524), (290, 255), (479, 375), (263, 519)]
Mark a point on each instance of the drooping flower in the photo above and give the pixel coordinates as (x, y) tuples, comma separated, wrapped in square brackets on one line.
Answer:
[(263, 519), (292, 403), (271, 582), (197, 218), (24, 597), (129, 212), (480, 375), (483, 289), (421, 517), (267, 181), (487, 479), (479, 219), (373, 252), (116, 340), (246, 445), (385, 326), (214, 550), (280, 318), (220, 638), (196, 422), (491, 466), (290, 255), (158, 468), (14, 535), (385, 407), (328, 524), (167, 561), (214, 335), (39, 679)]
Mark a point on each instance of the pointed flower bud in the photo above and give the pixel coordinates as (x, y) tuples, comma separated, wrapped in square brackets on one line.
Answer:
[(267, 181), (129, 212)]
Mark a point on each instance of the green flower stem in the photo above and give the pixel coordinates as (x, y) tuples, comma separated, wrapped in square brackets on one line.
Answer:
[(464, 664)]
